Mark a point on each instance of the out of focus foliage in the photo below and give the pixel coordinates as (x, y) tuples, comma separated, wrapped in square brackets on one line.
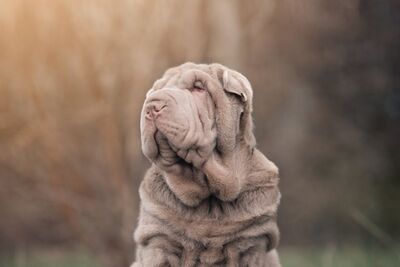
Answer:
[(73, 75)]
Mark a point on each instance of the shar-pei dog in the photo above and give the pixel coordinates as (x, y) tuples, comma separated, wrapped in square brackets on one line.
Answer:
[(210, 197)]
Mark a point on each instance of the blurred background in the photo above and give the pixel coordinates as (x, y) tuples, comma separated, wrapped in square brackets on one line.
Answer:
[(73, 76)]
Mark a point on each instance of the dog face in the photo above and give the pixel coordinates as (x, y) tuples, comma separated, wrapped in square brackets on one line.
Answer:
[(179, 119), (194, 110)]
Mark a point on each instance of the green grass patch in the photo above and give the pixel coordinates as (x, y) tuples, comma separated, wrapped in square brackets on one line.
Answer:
[(49, 259), (290, 257), (340, 257)]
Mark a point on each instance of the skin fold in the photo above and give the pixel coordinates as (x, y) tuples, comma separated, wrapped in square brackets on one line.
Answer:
[(210, 197)]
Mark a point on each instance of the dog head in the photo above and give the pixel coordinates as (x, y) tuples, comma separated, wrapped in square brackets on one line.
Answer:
[(194, 110)]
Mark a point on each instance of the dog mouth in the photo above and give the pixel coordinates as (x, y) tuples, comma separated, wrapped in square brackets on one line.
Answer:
[(171, 149), (178, 123), (177, 134), (166, 151)]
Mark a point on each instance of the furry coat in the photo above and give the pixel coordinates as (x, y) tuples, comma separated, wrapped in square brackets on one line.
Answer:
[(210, 197)]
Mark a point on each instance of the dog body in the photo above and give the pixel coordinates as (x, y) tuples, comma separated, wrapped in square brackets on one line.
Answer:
[(210, 197)]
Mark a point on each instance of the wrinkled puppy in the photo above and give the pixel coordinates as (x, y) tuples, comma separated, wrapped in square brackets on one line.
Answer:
[(210, 197)]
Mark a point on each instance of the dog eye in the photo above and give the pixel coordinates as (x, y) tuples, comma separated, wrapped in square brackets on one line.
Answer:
[(199, 86), (234, 96)]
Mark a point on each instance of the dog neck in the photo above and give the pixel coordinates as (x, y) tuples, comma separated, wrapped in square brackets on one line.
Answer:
[(223, 177)]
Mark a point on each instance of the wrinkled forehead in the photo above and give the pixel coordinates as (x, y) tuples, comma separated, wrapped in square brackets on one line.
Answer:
[(173, 76)]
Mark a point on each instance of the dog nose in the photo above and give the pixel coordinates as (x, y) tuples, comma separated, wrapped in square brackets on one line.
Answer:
[(154, 109)]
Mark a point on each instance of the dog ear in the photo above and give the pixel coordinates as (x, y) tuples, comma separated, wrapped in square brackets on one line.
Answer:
[(235, 83)]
